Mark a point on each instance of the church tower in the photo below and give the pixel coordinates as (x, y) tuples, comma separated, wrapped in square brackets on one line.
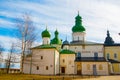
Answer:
[(46, 37), (78, 30), (65, 44), (56, 41), (108, 40)]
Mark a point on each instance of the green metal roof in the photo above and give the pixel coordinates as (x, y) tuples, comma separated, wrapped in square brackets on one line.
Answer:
[(78, 24), (44, 47), (46, 33), (56, 40), (65, 51)]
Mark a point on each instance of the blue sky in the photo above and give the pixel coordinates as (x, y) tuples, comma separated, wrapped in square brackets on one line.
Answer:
[(97, 17)]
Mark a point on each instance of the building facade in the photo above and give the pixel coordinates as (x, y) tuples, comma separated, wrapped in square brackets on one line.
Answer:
[(112, 54), (78, 57)]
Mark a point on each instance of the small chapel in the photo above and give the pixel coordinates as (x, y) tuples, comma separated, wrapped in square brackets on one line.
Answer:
[(77, 57)]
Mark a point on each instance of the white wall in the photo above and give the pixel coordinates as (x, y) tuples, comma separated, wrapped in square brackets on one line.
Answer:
[(89, 50), (68, 64), (48, 60), (46, 40), (78, 36)]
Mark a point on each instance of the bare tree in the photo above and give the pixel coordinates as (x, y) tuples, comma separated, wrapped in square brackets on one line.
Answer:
[(9, 59), (1, 50), (26, 34)]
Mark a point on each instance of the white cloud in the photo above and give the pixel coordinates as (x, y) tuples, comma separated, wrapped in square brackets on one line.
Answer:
[(7, 41), (98, 16), (5, 23)]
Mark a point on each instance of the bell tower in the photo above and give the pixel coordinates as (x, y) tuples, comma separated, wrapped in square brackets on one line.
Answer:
[(78, 30)]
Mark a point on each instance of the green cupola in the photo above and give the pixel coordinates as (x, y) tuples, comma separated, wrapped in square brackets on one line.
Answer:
[(45, 33), (56, 40), (78, 24)]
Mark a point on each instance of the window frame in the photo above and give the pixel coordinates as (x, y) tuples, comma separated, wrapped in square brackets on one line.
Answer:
[(108, 56), (115, 55), (37, 67), (47, 68)]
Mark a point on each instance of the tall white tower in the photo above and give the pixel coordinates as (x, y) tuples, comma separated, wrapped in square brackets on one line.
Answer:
[(78, 30)]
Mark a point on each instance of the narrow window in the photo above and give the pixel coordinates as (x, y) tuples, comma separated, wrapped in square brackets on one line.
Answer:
[(37, 67), (41, 57), (100, 67), (63, 60), (79, 54), (96, 56), (108, 56), (46, 67), (115, 55)]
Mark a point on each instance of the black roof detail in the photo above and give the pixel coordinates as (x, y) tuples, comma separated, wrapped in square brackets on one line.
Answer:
[(113, 61), (115, 44), (65, 42), (108, 39), (84, 42), (89, 59)]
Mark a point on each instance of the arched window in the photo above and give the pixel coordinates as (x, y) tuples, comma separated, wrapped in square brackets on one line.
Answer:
[(95, 55), (46, 67), (37, 67), (63, 60), (78, 54), (115, 55), (41, 57), (100, 67)]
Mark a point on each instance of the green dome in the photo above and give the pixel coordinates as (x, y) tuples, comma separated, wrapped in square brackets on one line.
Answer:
[(56, 40), (46, 33), (56, 32), (78, 25)]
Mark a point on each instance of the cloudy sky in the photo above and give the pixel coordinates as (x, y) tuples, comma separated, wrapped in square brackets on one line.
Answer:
[(97, 17)]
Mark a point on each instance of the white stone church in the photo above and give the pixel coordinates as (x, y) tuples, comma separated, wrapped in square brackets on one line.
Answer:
[(78, 57)]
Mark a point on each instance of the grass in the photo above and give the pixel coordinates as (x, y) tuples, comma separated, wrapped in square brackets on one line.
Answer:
[(41, 77)]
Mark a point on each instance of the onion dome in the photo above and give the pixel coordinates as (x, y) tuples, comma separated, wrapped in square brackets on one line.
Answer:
[(56, 32), (65, 42), (78, 25), (56, 40), (46, 33), (108, 40)]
